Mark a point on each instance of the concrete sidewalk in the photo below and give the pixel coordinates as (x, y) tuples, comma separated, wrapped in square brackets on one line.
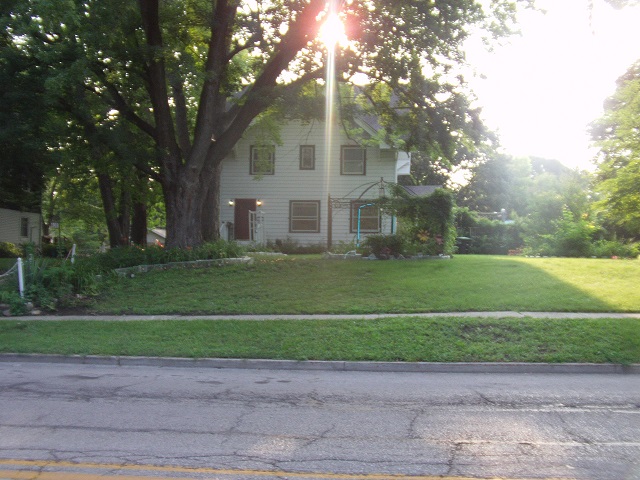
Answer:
[(370, 316)]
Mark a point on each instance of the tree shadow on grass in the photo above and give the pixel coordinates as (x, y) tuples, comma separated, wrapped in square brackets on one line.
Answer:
[(464, 283)]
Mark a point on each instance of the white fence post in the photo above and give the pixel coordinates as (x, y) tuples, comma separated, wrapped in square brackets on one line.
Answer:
[(20, 278), (73, 253)]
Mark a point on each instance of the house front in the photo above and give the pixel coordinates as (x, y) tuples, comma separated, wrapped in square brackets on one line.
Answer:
[(20, 227), (306, 189)]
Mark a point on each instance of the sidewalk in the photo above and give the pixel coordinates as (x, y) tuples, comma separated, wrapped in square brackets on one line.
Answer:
[(370, 316)]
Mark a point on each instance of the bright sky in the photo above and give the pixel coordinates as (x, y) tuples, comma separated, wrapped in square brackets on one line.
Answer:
[(541, 90)]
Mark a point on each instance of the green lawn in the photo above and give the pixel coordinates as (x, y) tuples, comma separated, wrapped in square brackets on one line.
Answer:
[(310, 285), (393, 339), (465, 283)]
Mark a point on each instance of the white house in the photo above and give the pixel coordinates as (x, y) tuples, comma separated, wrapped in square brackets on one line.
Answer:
[(20, 227), (307, 189)]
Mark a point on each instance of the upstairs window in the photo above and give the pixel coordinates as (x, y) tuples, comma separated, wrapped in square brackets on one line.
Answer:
[(353, 160), (369, 217), (263, 160), (307, 157)]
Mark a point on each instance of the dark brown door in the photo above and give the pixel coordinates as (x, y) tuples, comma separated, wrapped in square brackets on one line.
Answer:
[(241, 217)]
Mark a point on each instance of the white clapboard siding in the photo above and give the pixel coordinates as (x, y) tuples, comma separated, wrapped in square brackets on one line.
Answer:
[(289, 182), (11, 227)]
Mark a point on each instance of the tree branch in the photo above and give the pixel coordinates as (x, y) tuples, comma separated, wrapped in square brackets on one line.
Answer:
[(120, 104), (165, 138), (211, 105), (261, 93), (182, 122)]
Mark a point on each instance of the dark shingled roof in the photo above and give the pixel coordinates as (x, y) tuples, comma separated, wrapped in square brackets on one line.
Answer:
[(421, 190)]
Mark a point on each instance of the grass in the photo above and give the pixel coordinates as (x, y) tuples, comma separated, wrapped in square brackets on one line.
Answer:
[(310, 285), (464, 283), (395, 339)]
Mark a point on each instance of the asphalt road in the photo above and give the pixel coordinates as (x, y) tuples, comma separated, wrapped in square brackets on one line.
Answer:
[(82, 422)]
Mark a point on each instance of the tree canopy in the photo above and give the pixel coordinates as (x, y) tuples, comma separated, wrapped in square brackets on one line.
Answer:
[(189, 77), (617, 134)]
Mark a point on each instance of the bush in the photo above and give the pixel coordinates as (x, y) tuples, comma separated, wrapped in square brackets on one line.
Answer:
[(17, 305), (292, 246), (488, 237), (56, 250), (615, 248), (122, 257), (9, 250), (572, 236), (426, 222), (49, 282), (385, 246)]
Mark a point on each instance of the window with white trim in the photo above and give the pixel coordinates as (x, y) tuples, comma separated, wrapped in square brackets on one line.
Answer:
[(307, 157), (369, 217), (263, 159), (304, 216), (353, 160)]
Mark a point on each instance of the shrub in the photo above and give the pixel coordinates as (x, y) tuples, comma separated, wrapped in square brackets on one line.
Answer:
[(572, 236), (49, 282), (385, 246), (57, 249), (9, 250), (343, 247), (122, 257), (292, 246), (17, 305), (427, 222), (615, 248), (491, 237)]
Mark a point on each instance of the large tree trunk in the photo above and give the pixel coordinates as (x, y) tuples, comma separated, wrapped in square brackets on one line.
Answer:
[(124, 219), (183, 203), (116, 238), (190, 170), (139, 224), (211, 204), (139, 220)]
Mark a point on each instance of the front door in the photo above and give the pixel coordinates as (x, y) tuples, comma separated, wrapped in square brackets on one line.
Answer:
[(241, 217)]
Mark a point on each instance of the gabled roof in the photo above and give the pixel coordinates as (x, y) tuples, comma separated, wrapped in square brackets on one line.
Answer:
[(421, 190)]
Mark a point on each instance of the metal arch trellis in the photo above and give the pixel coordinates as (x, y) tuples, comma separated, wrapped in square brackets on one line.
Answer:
[(345, 202)]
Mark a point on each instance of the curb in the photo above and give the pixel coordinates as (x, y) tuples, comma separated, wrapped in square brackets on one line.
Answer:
[(319, 365)]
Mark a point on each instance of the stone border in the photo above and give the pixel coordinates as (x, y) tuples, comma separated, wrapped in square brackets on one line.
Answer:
[(127, 271)]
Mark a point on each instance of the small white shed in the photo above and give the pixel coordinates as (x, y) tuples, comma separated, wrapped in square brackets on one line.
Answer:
[(156, 235), (20, 227)]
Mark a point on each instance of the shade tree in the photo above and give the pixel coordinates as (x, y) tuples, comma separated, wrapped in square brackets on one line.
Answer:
[(191, 76), (617, 134)]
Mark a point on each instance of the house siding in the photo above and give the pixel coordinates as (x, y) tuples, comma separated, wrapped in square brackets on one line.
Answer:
[(10, 227), (289, 182)]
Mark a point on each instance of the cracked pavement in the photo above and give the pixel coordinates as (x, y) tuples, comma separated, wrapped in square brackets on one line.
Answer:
[(456, 425)]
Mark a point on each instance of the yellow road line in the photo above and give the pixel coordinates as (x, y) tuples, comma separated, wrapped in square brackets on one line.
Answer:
[(31, 474)]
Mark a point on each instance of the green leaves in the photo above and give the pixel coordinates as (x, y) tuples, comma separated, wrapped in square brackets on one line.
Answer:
[(617, 134)]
